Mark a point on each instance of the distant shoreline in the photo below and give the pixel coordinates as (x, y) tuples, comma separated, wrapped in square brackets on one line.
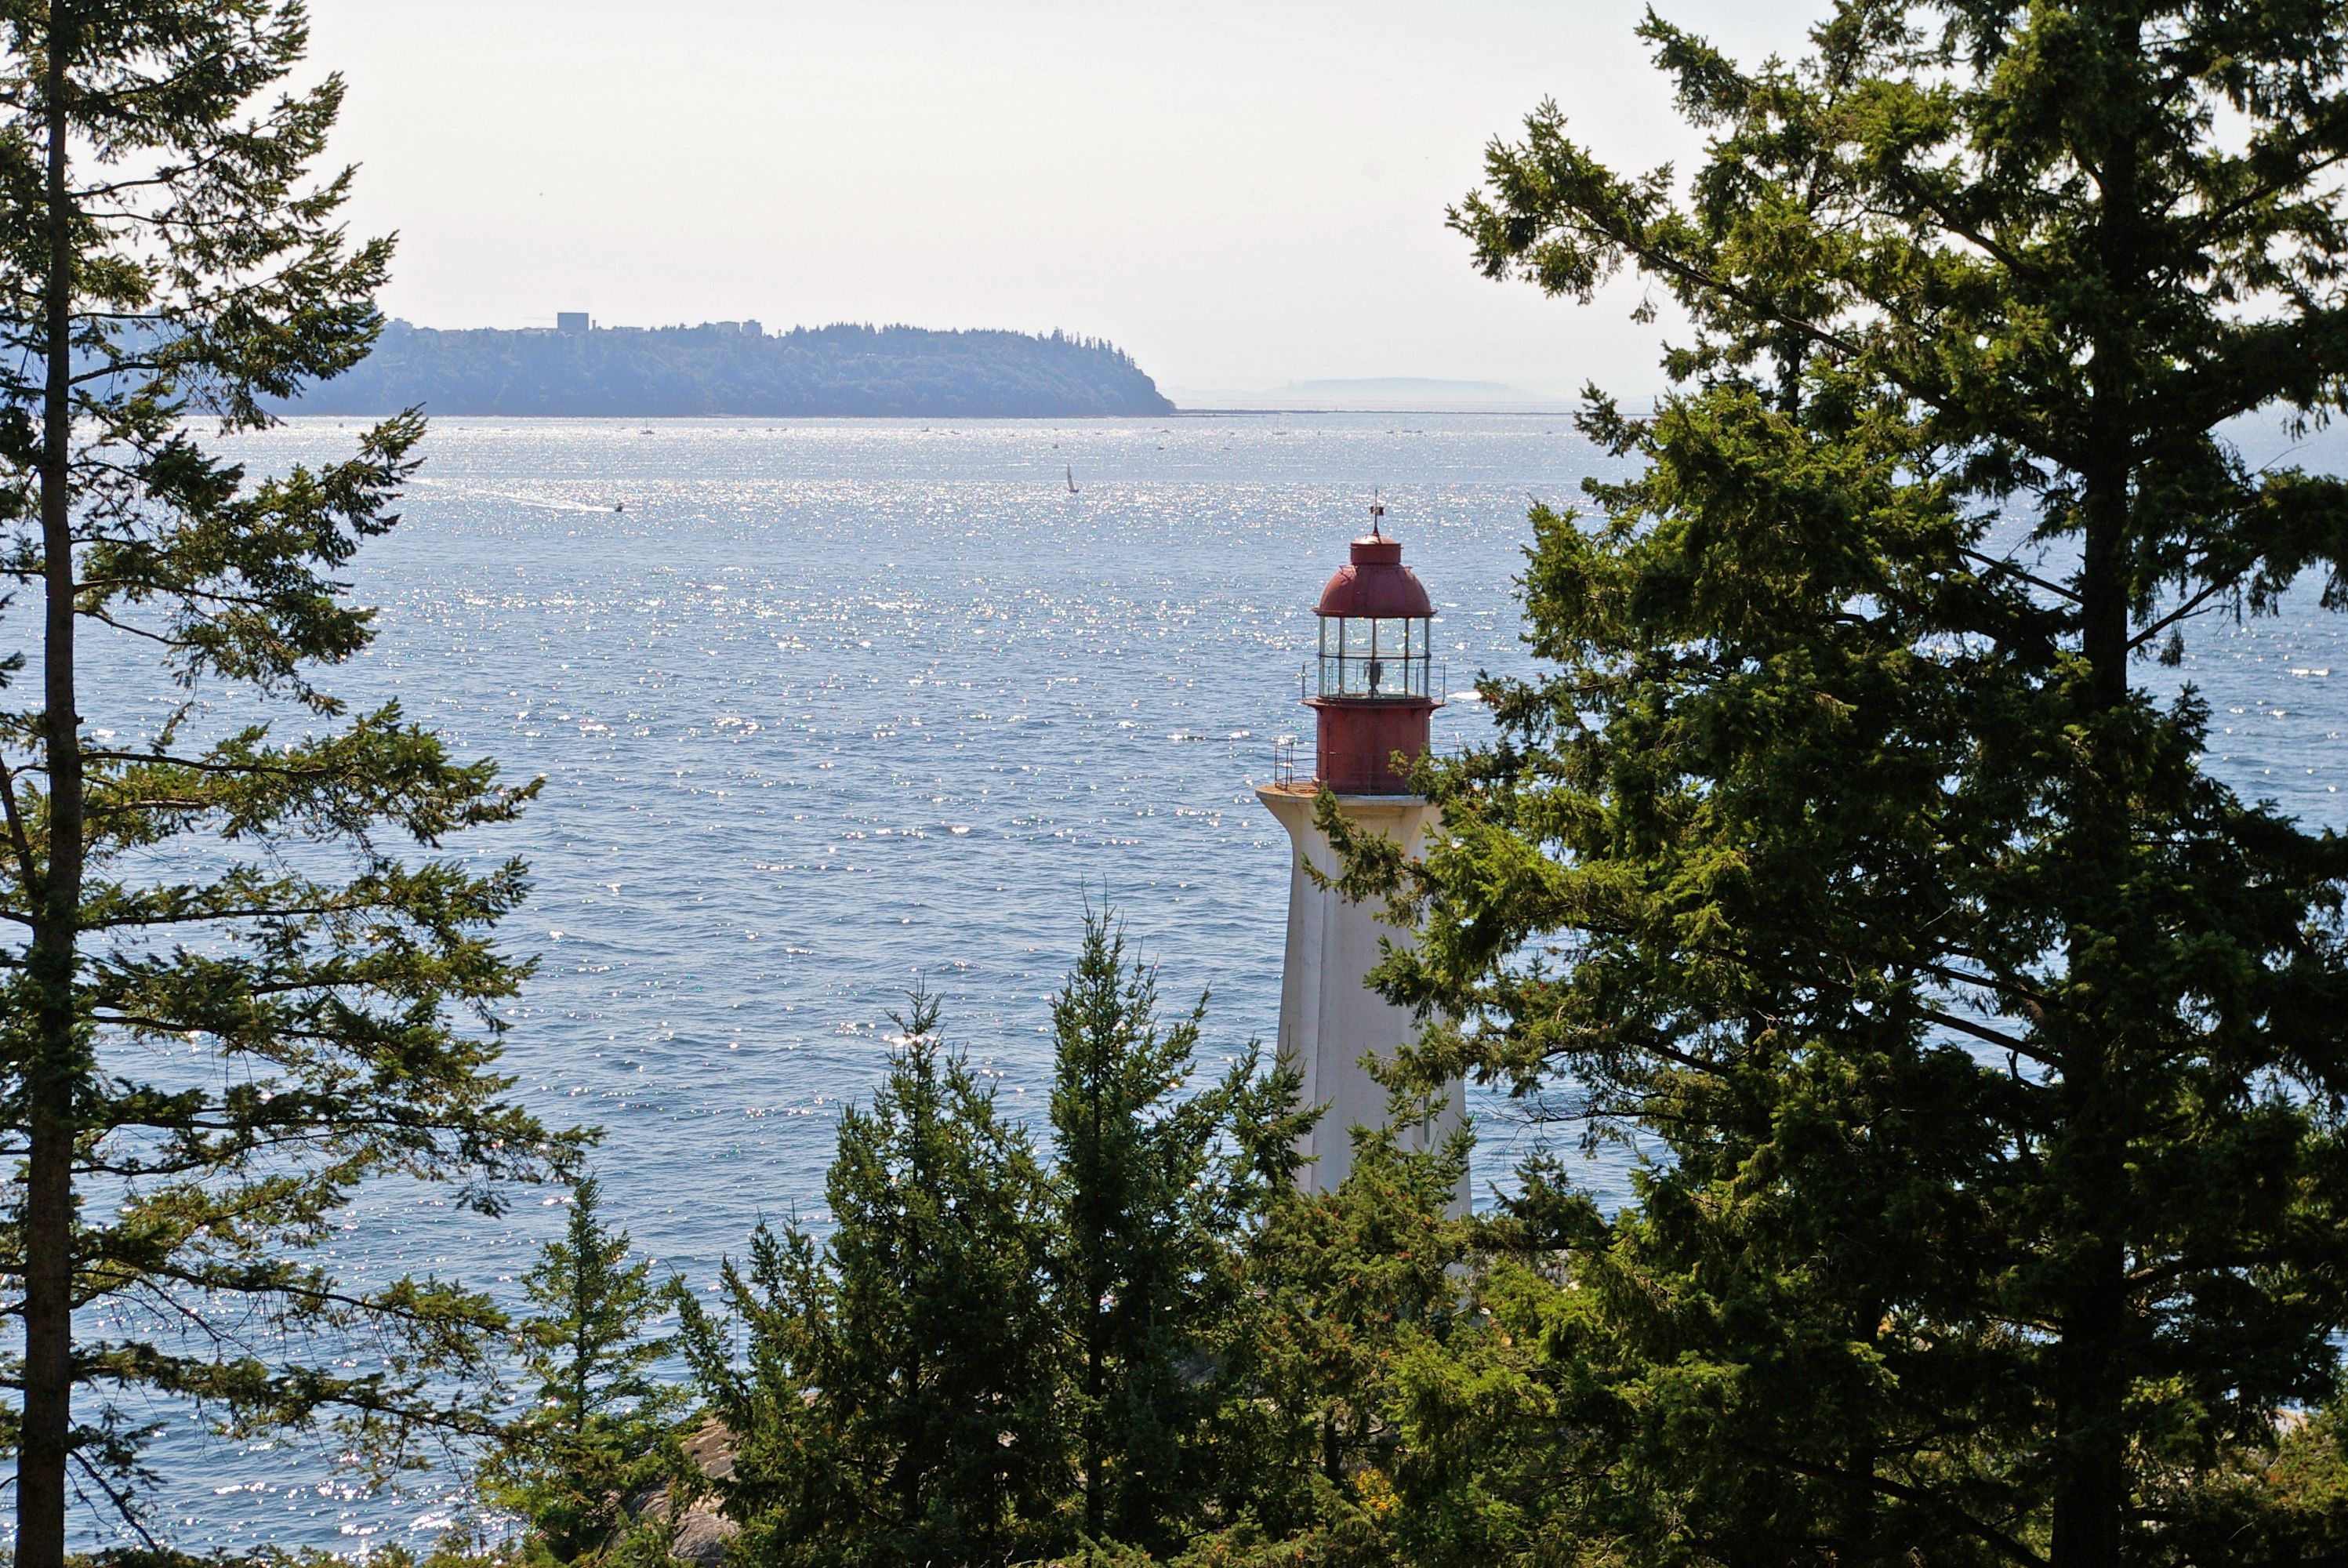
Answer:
[(1477, 413), (298, 412), (736, 370)]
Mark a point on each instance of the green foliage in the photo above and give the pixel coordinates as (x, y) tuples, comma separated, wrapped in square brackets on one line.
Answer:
[(1349, 1288), (986, 1362), (1154, 1191), (243, 981), (893, 1393), (2282, 1500), (598, 1435), (1994, 1050)]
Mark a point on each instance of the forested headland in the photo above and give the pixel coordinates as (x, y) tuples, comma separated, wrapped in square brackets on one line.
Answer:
[(722, 369)]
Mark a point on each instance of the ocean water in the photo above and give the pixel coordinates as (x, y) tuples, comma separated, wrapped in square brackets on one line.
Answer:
[(830, 711)]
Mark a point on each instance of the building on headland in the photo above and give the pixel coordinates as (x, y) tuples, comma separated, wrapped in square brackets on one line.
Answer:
[(578, 321), (1374, 700)]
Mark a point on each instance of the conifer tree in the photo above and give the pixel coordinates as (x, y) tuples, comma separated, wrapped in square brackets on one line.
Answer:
[(1998, 1048), (1356, 1281), (599, 1430), (795, 1491), (239, 979), (894, 1397), (1154, 1192), (1352, 1295)]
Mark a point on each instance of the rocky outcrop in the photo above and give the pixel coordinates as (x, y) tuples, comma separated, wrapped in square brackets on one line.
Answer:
[(702, 1531), (702, 1535), (711, 1449)]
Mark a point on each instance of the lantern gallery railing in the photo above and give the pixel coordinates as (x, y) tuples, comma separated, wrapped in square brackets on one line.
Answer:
[(1373, 657), (1283, 762), (1434, 684)]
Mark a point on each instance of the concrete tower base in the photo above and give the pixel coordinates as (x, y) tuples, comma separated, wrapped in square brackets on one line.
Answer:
[(1329, 1017)]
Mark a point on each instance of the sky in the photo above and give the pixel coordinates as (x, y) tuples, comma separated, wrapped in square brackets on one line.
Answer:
[(1241, 195)]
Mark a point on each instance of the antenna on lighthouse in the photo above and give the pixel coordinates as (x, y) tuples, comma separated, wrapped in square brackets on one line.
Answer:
[(1377, 512)]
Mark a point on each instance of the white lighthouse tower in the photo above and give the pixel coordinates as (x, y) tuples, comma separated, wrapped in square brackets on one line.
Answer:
[(1373, 702)]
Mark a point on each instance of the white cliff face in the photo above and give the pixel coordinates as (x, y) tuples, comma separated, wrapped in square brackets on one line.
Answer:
[(1329, 1017)]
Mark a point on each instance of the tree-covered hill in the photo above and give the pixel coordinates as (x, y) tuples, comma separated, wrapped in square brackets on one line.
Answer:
[(732, 368)]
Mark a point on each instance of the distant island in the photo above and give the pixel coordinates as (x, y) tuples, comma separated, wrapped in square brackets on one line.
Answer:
[(736, 368)]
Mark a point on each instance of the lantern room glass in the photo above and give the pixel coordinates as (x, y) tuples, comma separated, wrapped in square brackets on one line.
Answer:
[(1371, 657)]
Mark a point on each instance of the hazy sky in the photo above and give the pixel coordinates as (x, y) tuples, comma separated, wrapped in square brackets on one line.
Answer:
[(1240, 194)]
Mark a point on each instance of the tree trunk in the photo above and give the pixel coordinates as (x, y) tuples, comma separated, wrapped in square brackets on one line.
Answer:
[(54, 1071), (1858, 1545), (2091, 1488), (1091, 1244), (1094, 1375), (2102, 588), (2090, 1483)]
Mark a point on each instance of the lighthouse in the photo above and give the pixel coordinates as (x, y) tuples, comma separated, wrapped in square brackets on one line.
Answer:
[(1374, 701)]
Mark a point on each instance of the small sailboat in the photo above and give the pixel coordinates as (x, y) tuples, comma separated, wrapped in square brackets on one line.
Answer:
[(1071, 479)]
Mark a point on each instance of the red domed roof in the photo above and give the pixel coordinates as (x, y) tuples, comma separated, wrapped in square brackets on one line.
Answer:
[(1377, 584)]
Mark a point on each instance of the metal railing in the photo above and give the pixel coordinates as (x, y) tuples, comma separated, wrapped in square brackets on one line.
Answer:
[(1284, 763)]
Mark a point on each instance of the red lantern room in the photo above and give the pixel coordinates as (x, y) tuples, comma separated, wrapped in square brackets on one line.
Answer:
[(1376, 694)]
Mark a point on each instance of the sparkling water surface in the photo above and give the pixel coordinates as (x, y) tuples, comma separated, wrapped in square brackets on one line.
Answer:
[(832, 710)]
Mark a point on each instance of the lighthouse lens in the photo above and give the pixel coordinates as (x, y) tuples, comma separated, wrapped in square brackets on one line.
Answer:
[(1375, 658)]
